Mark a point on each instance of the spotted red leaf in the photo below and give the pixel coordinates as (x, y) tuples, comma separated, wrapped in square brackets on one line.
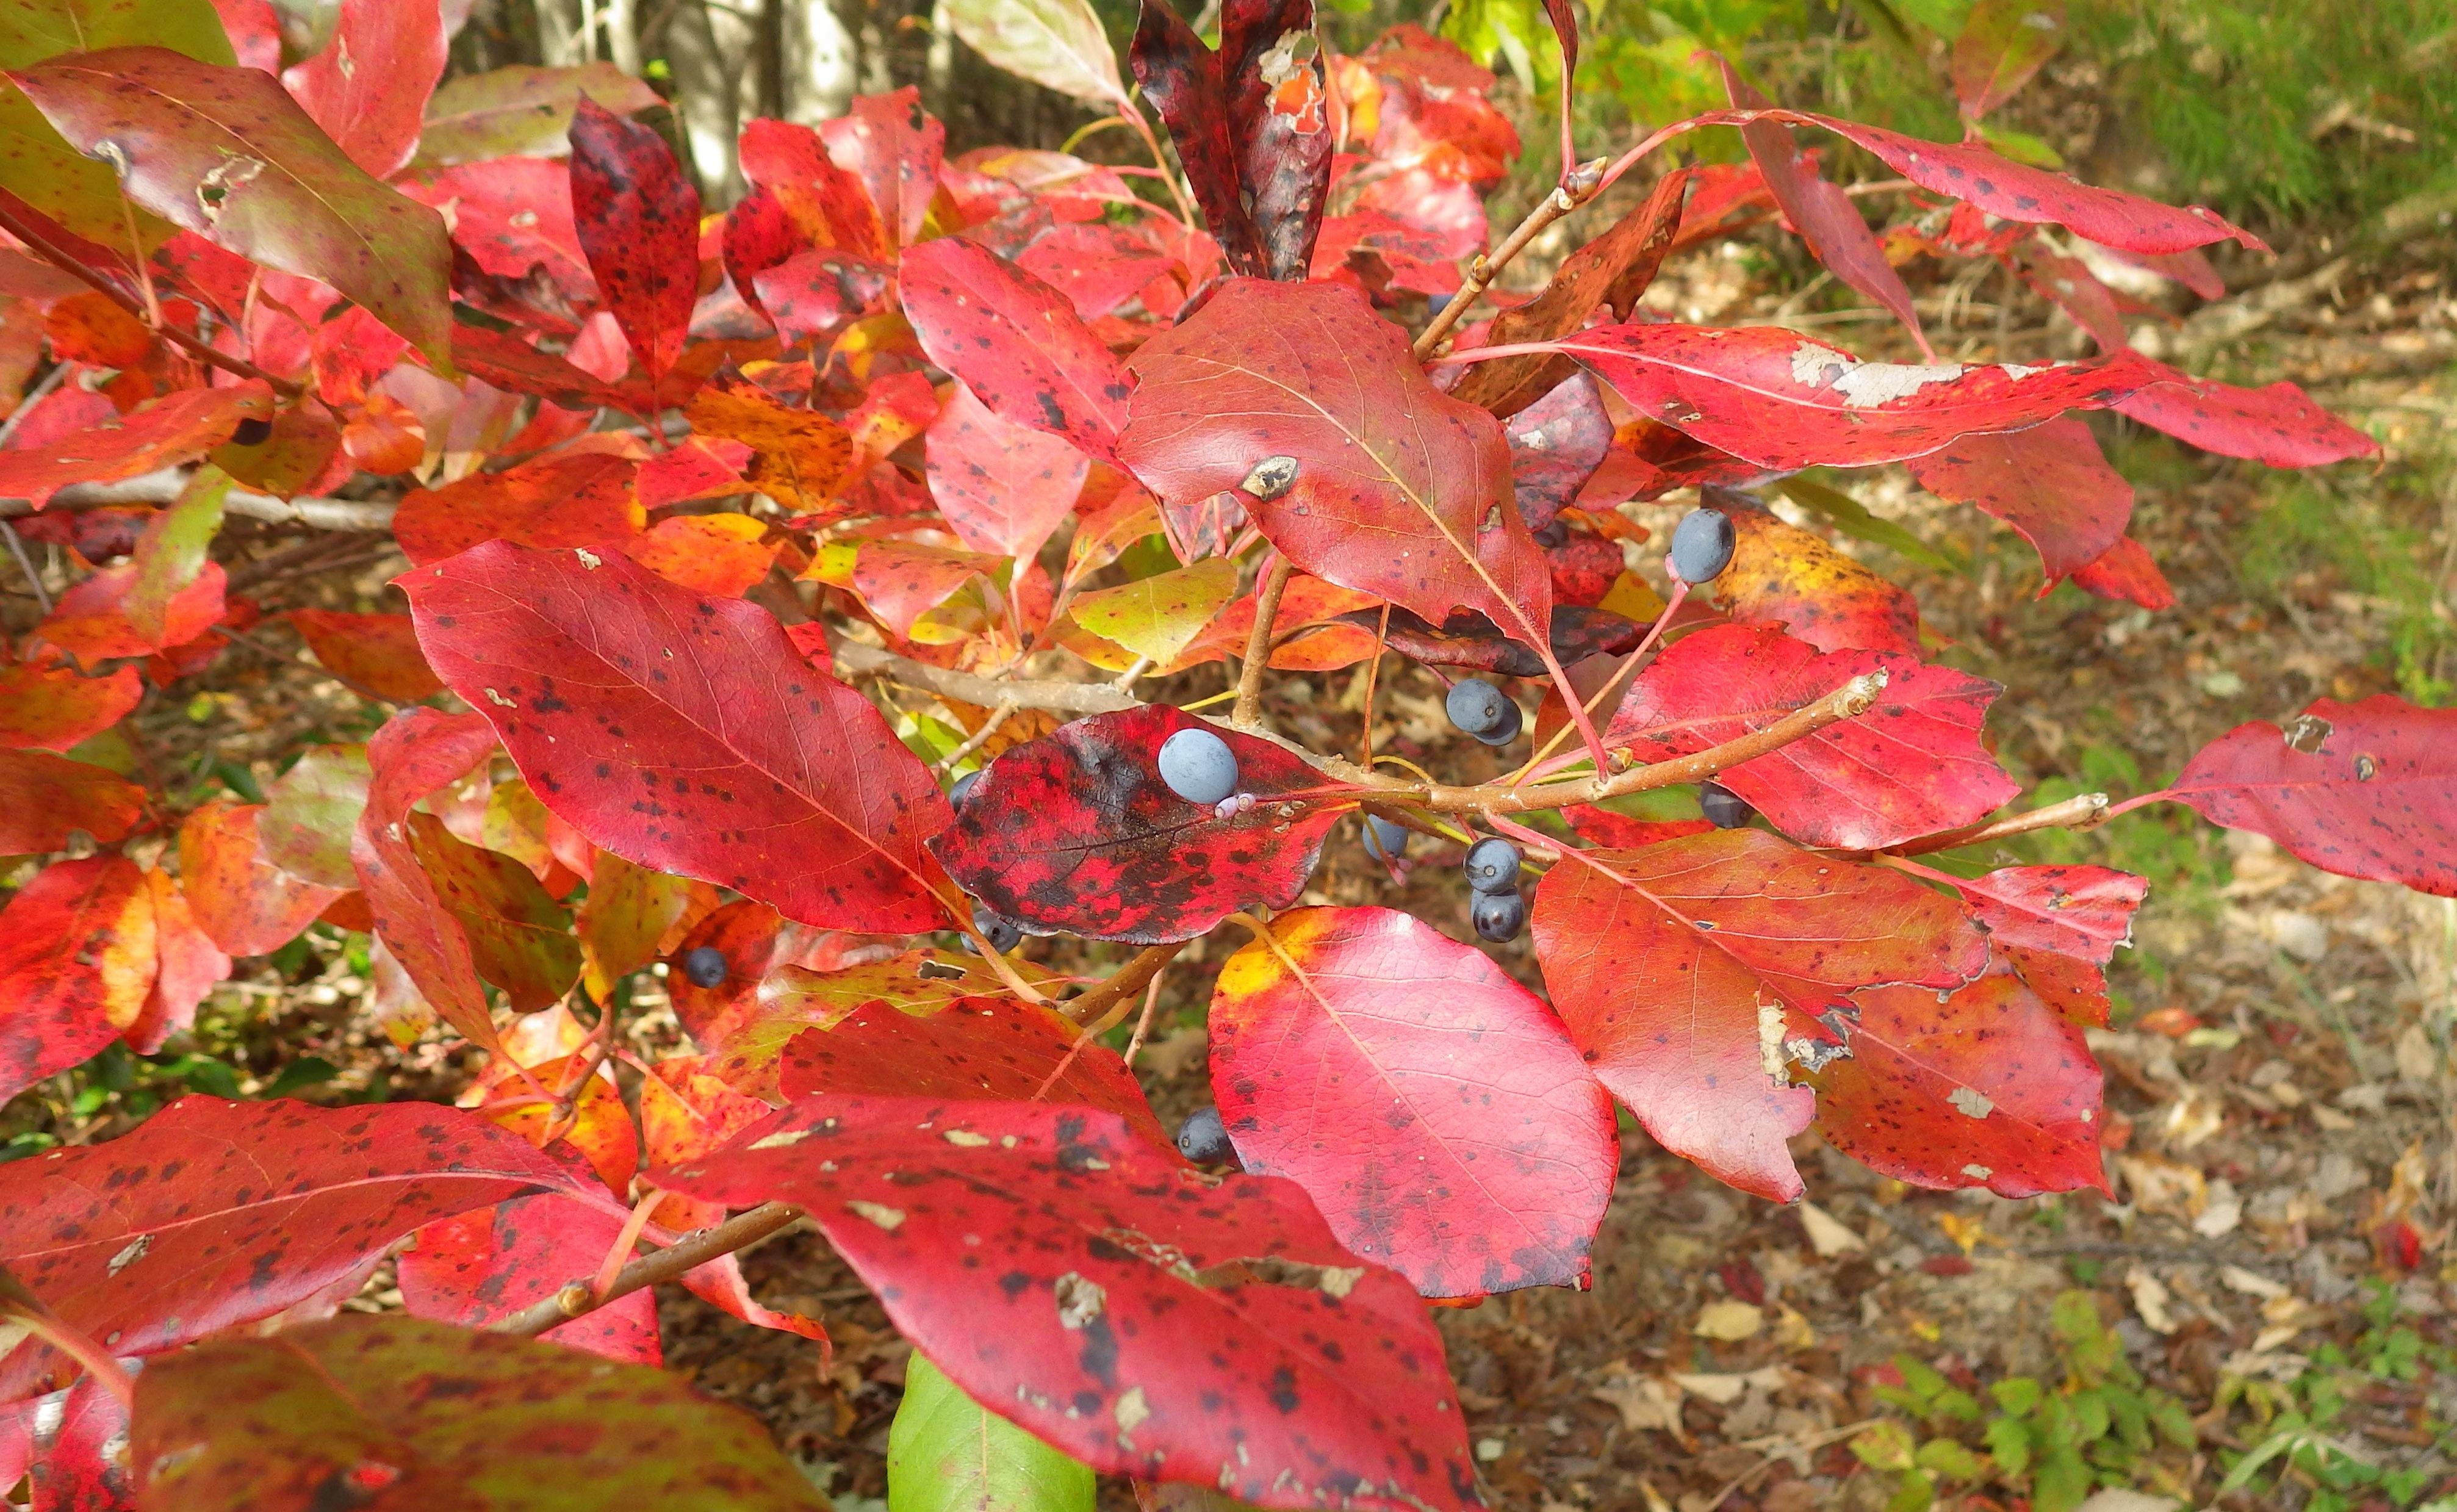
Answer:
[(1555, 445), (1310, 405), (1433, 1108), (44, 798), (2128, 572), (209, 1214), (973, 1050), (1279, 126), (1004, 487), (638, 219), (684, 733), (1185, 83), (489, 1263), (187, 965), (369, 85), (1075, 833), (1912, 765), (76, 962), (1142, 1315), (386, 1411), (1782, 574), (895, 148), (2012, 191), (2050, 482), (248, 905), (413, 755), (512, 215), (180, 428), (1987, 1087), (1783, 400), (80, 1460), (50, 706), (1681, 969), (561, 499), (378, 652), (2059, 927), (2362, 789), (1015, 342), (2279, 424)]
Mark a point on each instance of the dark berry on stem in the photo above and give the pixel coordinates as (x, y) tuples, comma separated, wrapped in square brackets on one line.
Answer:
[(704, 966), (1384, 840), (1003, 933), (1492, 866), (1477, 707), (1203, 1139), (1723, 808), (1512, 721), (1498, 917), (963, 785), (1198, 766), (1702, 545)]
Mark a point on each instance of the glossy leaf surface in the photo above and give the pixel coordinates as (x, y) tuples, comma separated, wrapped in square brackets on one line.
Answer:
[(2050, 482), (1782, 574), (946, 1453), (1015, 342), (368, 86), (638, 219), (246, 903), (76, 961), (489, 1263), (44, 798)]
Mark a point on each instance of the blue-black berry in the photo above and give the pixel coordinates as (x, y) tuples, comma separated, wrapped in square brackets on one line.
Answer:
[(1723, 808), (1477, 707), (704, 966), (1498, 917), (1198, 766), (963, 785), (1384, 840), (1492, 866), (1003, 933), (1512, 722), (1203, 1139), (1702, 545)]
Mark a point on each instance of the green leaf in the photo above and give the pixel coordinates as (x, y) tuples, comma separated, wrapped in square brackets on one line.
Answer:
[(2017, 1394), (438, 1416), (311, 811), (946, 1454), (2009, 1444), (1957, 1404), (524, 111), (1950, 1459), (172, 552), (1848, 515), (2062, 1482), (2174, 1423), (2130, 1414), (2090, 1414), (225, 153), (1160, 617), (1057, 44), (38, 167), (1884, 1445), (1923, 1380)]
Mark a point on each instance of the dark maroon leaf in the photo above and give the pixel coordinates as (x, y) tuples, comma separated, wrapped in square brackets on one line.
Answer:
[(1075, 833), (210, 1214), (1556, 444), (1279, 125), (1147, 1317), (1184, 79), (638, 219)]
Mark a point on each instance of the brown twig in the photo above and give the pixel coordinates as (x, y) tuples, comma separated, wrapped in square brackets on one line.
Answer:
[(163, 484), (67, 262), (579, 1297), (1258, 643), (26, 565), (2077, 813), (858, 660), (1576, 189), (1091, 1006)]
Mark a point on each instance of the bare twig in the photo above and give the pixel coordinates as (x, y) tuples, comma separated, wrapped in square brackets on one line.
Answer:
[(579, 1297), (1576, 189), (26, 565), (2077, 813), (1258, 644), (980, 737), (858, 660), (163, 484), (1094, 1006)]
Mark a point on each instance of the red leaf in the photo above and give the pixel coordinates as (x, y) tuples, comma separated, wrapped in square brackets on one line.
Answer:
[(2362, 789), (2003, 43), (1468, 639), (187, 964), (824, 205), (76, 962), (685, 733), (245, 904), (368, 88), (2050, 482), (255, 29), (176, 430), (417, 751), (1098, 266), (1819, 210), (1784, 575), (44, 798), (1672, 968), (1075, 833), (1140, 1315), (2012, 191), (92, 621), (509, 363), (1611, 272), (50, 706), (1433, 1108), (888, 142), (2059, 927), (562, 499), (520, 939), (1397, 489), (1555, 445), (974, 1050), (1786, 401), (1003, 488), (378, 652), (1990, 1088), (1015, 342), (80, 1443), (720, 554), (512, 215), (2127, 571), (685, 1113), (638, 219), (1611, 831), (477, 1267), (1912, 765), (1183, 77), (210, 1214), (2279, 424), (1271, 69)]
